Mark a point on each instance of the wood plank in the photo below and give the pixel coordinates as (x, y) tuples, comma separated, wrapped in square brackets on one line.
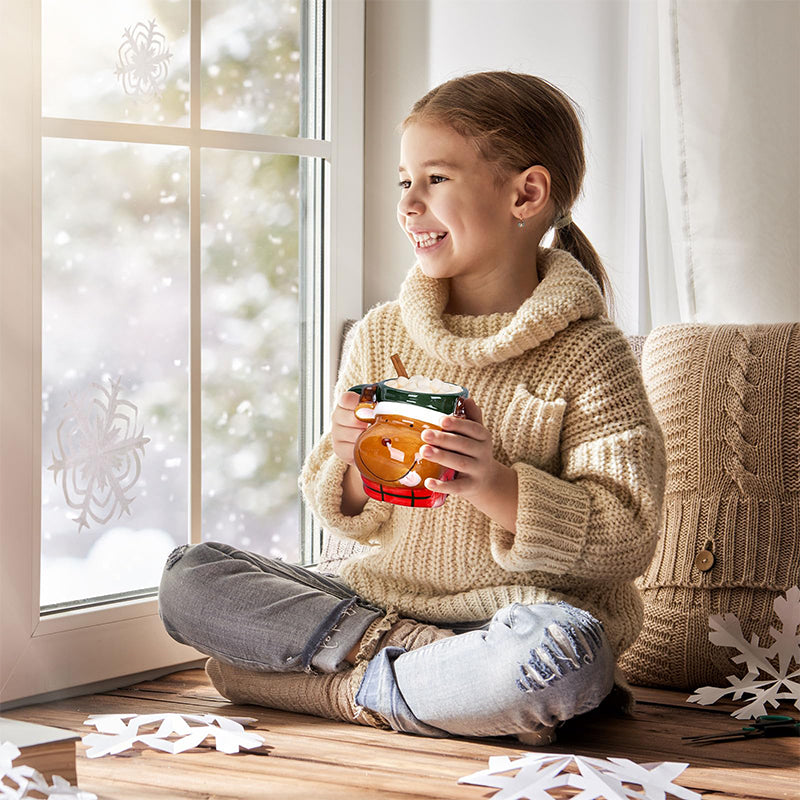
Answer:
[(748, 782), (295, 753), (194, 774), (678, 699), (727, 796), (655, 735), (307, 757), (661, 721)]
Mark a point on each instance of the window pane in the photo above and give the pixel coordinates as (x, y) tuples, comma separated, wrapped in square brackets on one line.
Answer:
[(116, 61), (251, 66), (251, 356), (115, 263)]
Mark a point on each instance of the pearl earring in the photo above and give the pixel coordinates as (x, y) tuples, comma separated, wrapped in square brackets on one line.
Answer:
[(520, 223)]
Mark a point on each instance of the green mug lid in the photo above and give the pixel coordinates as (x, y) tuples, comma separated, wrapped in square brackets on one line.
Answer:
[(443, 403)]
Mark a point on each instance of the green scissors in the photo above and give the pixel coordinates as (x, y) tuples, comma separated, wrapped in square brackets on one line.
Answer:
[(766, 725)]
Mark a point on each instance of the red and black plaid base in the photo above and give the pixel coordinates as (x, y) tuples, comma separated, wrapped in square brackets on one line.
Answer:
[(404, 496)]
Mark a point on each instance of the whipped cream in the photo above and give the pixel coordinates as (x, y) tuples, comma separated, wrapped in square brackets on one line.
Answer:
[(421, 383)]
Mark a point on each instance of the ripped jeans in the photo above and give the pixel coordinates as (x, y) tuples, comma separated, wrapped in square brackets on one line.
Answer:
[(529, 666)]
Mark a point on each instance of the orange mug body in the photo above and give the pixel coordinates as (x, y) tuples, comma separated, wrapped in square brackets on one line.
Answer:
[(387, 453)]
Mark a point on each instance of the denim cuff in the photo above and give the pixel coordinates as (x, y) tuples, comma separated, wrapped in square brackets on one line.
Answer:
[(342, 637), (379, 692)]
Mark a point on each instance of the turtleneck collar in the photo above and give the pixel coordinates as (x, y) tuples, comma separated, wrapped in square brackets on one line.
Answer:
[(565, 294)]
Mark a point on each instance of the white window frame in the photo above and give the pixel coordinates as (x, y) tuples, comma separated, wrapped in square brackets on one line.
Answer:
[(56, 655)]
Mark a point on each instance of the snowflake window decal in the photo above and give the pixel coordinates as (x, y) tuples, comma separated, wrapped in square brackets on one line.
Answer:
[(143, 59), (100, 454)]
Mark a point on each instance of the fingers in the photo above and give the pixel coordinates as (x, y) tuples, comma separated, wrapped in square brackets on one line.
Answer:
[(461, 463), (348, 400), (458, 435), (346, 427), (343, 412), (457, 485), (468, 457), (473, 410), (463, 445)]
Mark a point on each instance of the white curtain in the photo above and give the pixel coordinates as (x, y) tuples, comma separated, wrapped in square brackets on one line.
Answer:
[(720, 160)]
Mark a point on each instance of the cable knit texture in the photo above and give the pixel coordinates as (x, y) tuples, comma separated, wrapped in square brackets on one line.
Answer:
[(562, 394), (728, 400)]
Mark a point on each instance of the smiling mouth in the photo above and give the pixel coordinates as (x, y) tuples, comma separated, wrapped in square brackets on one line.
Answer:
[(428, 239), (383, 479)]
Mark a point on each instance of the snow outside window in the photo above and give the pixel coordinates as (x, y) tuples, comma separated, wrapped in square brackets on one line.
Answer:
[(184, 180), (116, 288)]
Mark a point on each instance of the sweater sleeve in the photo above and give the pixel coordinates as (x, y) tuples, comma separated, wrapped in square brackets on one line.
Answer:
[(596, 515), (322, 473)]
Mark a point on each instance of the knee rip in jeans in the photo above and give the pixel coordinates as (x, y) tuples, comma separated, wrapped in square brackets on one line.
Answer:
[(563, 649)]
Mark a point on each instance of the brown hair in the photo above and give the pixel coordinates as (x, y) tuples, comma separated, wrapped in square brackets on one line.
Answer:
[(517, 121)]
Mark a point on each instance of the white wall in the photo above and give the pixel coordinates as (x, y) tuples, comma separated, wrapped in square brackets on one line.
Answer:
[(396, 75), (580, 45)]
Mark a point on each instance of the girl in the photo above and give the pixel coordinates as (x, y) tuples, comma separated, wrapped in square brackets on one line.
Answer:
[(503, 611)]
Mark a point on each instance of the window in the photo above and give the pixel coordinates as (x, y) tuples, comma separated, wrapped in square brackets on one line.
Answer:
[(185, 174)]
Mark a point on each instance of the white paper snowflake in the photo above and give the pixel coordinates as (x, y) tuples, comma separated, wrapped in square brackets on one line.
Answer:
[(143, 59), (773, 673), (118, 732), (26, 780), (537, 773), (100, 454)]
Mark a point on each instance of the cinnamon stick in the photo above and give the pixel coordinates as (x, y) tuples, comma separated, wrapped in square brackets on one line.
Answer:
[(398, 365)]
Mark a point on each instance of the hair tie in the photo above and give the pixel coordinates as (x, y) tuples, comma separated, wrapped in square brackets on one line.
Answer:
[(563, 221)]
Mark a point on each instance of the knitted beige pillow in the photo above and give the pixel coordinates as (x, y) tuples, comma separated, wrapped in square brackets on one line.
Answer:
[(728, 400)]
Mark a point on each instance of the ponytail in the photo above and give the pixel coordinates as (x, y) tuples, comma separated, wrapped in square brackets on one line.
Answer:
[(571, 238)]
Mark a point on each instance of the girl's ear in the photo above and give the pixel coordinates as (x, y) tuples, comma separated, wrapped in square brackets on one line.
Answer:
[(532, 192)]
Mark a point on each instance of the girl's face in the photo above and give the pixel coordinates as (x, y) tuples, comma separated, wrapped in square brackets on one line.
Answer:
[(457, 218)]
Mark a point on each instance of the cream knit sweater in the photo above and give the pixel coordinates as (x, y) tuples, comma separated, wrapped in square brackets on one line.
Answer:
[(561, 392)]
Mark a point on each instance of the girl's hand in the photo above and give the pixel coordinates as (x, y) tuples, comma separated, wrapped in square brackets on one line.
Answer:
[(465, 445), (346, 427)]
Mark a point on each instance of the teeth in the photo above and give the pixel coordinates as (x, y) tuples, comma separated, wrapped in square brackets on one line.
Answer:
[(427, 239)]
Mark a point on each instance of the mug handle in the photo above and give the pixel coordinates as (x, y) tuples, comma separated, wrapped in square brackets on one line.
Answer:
[(461, 408), (365, 410)]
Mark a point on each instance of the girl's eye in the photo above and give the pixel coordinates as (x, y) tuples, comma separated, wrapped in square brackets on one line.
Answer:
[(434, 179)]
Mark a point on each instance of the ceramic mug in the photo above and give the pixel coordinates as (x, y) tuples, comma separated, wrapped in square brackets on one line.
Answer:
[(387, 452)]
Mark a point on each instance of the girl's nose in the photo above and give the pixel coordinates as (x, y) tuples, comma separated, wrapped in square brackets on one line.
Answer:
[(410, 204)]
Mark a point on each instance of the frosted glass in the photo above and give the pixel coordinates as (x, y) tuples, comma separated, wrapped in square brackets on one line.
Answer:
[(116, 61), (251, 65), (115, 271), (251, 351)]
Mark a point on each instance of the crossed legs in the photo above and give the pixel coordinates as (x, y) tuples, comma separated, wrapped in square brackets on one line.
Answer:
[(284, 636)]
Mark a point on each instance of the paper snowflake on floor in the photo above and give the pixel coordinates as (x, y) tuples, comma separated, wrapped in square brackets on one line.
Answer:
[(118, 732), (142, 60), (773, 673), (537, 773), (17, 783), (99, 454)]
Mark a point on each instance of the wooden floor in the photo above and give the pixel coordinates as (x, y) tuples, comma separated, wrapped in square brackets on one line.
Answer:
[(314, 759)]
